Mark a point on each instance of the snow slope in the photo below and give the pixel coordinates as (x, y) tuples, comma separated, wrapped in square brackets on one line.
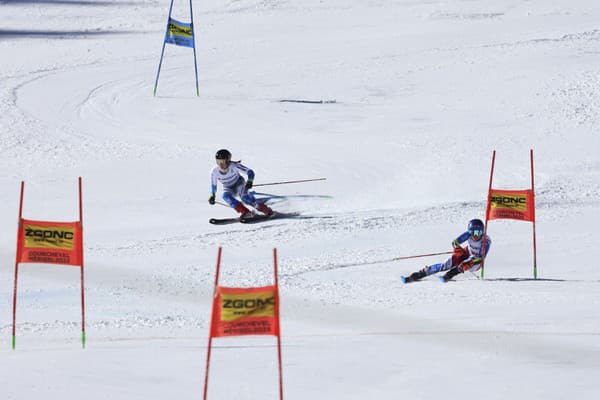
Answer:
[(420, 93)]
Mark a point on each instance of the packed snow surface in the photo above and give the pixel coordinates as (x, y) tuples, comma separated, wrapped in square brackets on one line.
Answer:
[(398, 103)]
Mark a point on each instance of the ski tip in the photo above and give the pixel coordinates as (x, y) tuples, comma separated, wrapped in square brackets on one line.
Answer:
[(223, 221)]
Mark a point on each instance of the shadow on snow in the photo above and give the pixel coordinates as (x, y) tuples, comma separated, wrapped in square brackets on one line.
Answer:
[(93, 3), (531, 280), (45, 34), (273, 198)]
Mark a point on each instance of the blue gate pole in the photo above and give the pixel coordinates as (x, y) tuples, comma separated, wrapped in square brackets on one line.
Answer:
[(163, 48), (194, 39)]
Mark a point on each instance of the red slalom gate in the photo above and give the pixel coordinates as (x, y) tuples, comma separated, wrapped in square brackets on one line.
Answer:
[(511, 204), (46, 242), (245, 311)]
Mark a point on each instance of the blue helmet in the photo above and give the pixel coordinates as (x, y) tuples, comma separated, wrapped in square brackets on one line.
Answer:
[(476, 227)]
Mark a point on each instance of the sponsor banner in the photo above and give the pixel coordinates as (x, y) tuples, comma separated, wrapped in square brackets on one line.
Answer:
[(245, 311), (511, 204), (180, 33), (49, 242)]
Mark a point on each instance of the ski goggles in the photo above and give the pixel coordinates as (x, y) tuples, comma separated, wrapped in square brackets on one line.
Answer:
[(476, 232), (222, 162)]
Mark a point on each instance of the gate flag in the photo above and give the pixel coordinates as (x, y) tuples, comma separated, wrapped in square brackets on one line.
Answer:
[(49, 242), (245, 311), (179, 33), (239, 311), (511, 204)]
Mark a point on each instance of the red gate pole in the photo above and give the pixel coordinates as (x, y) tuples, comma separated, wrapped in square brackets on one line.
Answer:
[(487, 213), (20, 224), (212, 315), (533, 199), (81, 255), (278, 324)]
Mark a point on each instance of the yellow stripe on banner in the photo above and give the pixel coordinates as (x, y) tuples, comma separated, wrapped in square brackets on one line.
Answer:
[(179, 30), (515, 202), (236, 306), (49, 237)]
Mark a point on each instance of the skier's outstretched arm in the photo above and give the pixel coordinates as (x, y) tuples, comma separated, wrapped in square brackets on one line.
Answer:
[(463, 237)]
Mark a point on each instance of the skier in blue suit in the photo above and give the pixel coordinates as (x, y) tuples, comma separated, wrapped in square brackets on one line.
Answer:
[(463, 259)]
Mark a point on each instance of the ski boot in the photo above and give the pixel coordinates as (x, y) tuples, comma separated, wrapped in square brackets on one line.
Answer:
[(450, 274), (415, 276), (263, 208), (244, 212)]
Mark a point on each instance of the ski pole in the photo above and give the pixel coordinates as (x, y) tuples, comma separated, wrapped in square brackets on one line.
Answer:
[(363, 263), (286, 182), (420, 255), (474, 274)]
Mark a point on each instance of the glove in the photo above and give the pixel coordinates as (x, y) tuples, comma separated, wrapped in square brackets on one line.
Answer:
[(455, 244), (249, 184), (211, 199), (459, 252)]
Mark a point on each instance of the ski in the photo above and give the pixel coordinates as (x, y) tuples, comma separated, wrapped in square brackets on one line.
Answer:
[(408, 279), (255, 218), (259, 218), (223, 221)]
